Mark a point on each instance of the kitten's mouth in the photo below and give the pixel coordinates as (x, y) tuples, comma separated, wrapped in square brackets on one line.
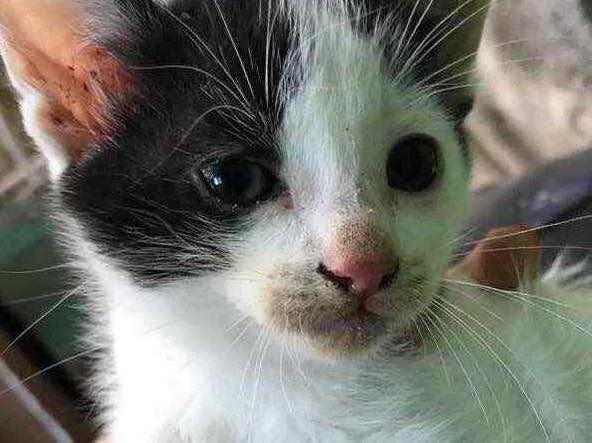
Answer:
[(359, 332), (346, 335), (335, 324), (361, 322), (343, 328)]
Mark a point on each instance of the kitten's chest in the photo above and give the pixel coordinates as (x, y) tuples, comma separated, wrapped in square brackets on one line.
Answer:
[(211, 384)]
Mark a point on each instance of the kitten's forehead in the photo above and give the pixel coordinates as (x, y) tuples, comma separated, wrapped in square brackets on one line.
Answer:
[(349, 108), (224, 72)]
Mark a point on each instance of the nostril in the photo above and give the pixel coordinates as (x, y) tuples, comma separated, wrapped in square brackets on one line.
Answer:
[(344, 283), (386, 281), (389, 278)]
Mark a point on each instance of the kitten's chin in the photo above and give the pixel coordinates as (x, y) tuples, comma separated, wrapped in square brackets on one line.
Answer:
[(357, 337)]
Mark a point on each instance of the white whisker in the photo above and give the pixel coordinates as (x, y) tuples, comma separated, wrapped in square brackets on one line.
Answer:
[(236, 51), (535, 229), (524, 297), (200, 43), (39, 319), (498, 358), (462, 367), (49, 368)]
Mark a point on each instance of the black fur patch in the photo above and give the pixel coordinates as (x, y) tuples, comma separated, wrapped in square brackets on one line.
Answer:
[(136, 194), (587, 8)]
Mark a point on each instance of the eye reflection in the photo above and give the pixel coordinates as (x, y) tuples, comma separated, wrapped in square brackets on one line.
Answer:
[(238, 181)]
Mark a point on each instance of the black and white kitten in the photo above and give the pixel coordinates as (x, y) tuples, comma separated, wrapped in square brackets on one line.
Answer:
[(263, 196)]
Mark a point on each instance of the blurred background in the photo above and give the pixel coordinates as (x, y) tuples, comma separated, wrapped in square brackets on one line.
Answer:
[(34, 297), (530, 132)]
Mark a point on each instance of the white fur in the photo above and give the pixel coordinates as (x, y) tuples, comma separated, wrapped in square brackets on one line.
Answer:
[(338, 130), (187, 371)]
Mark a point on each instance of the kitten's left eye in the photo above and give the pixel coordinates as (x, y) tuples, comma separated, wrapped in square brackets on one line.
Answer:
[(413, 164), (238, 181)]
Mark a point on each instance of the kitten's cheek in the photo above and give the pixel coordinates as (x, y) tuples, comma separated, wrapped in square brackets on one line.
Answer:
[(263, 310), (273, 313)]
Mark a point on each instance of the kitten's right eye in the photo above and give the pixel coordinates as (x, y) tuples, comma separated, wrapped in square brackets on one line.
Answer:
[(238, 181)]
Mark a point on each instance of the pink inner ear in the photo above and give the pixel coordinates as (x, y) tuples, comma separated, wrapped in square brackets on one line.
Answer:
[(84, 96), (79, 96), (80, 82)]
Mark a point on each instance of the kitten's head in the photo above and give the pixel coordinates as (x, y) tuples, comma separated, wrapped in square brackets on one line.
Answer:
[(303, 153)]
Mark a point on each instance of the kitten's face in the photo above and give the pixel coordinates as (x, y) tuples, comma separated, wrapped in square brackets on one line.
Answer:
[(292, 160), (376, 191)]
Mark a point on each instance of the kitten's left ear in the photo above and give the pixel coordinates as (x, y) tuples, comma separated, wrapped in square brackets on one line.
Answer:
[(456, 41), (68, 85)]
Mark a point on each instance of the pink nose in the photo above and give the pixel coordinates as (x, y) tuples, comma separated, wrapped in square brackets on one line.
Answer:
[(363, 275)]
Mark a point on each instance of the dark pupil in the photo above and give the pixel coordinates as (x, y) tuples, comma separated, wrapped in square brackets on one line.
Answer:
[(236, 181), (231, 178), (413, 163)]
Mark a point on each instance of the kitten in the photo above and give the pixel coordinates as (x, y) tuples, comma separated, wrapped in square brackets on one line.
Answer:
[(263, 197)]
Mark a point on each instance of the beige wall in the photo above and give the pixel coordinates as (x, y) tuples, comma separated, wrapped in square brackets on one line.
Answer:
[(535, 101)]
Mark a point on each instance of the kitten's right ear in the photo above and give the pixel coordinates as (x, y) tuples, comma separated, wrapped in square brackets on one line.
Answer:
[(68, 85)]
